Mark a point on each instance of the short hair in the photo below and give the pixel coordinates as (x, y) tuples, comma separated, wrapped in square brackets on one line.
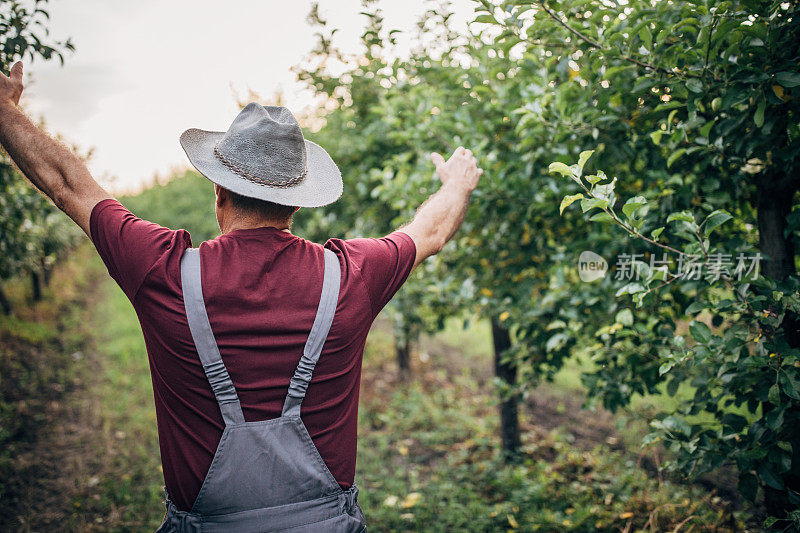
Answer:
[(265, 209)]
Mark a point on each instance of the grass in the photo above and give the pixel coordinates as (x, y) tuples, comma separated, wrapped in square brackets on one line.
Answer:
[(125, 494), (427, 456), (428, 461), (39, 345)]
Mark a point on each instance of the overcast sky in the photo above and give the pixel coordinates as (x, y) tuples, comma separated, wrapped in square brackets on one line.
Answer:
[(143, 72)]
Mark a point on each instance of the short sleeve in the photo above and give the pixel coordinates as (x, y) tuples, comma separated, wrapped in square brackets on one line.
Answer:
[(128, 245), (385, 264)]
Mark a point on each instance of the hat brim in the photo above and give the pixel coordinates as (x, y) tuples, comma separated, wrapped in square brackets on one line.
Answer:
[(321, 186)]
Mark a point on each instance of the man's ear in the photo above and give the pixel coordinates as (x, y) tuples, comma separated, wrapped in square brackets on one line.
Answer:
[(220, 195)]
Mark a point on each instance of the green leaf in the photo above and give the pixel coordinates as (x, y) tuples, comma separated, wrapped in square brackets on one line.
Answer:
[(681, 216), (700, 332), (602, 216), (561, 168), (675, 156), (646, 36), (736, 422), (656, 233), (670, 117), (584, 157), (485, 19), (716, 219), (672, 387), (769, 477), (672, 104), (706, 129), (630, 288), (788, 79), (643, 84), (694, 85), (758, 117), (673, 424), (625, 317), (588, 204), (774, 394), (568, 200), (633, 205), (593, 179), (605, 190), (790, 384), (656, 136), (696, 307)]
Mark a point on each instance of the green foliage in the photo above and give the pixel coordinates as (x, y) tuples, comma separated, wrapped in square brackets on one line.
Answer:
[(367, 137), (695, 103), (745, 406), (32, 231), (184, 202), (22, 28)]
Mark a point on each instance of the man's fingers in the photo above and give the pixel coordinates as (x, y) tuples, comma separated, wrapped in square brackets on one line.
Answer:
[(437, 159), (16, 71)]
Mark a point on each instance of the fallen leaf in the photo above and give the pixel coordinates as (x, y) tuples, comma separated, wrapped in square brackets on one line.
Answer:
[(411, 500), (512, 521)]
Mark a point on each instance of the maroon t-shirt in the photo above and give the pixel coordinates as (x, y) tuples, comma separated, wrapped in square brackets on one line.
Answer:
[(261, 287)]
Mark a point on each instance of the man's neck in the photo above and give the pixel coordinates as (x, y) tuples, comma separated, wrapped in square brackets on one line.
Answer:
[(234, 228), (241, 224)]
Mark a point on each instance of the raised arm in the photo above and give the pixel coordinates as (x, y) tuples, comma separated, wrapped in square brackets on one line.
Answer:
[(437, 220), (48, 164)]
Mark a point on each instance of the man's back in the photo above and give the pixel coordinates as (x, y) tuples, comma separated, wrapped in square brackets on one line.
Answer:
[(261, 288)]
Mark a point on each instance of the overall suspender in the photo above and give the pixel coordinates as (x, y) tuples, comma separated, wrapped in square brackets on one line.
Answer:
[(316, 338), (207, 349), (204, 340)]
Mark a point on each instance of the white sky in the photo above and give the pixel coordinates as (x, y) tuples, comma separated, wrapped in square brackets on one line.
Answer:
[(144, 71)]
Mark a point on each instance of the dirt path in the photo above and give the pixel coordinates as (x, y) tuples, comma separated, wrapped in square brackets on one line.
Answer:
[(48, 453)]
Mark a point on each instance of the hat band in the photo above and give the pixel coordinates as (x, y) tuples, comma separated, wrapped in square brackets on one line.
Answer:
[(288, 182)]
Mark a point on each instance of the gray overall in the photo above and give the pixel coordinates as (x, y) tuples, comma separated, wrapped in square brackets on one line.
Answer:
[(265, 475)]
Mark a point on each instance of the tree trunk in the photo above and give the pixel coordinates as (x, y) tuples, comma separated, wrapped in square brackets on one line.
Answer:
[(773, 208), (36, 286), (775, 198), (5, 305), (403, 348), (45, 272), (507, 372)]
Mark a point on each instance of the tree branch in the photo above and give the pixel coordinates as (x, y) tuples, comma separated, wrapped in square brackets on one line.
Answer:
[(598, 46)]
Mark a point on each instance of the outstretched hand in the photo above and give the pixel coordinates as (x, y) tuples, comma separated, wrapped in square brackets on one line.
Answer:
[(462, 167), (11, 86)]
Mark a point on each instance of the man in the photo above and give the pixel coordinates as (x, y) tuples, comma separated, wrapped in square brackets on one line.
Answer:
[(240, 329)]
